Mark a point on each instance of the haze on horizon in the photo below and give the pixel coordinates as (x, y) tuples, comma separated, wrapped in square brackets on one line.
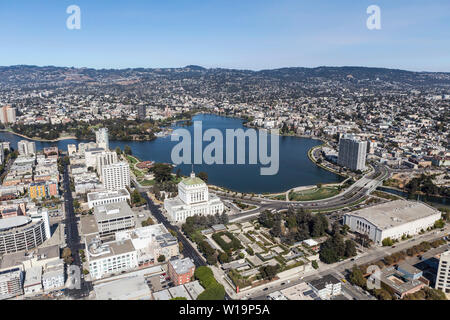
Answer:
[(250, 34)]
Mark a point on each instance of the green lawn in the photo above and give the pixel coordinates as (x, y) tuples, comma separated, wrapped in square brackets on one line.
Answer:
[(279, 197), (314, 194), (147, 182), (132, 160)]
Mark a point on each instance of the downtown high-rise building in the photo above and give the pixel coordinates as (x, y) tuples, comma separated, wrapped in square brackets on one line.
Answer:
[(352, 153), (7, 115), (116, 176), (26, 147), (141, 112), (443, 274), (105, 159), (102, 139)]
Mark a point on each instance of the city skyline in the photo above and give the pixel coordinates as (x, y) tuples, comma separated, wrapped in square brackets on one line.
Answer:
[(251, 35)]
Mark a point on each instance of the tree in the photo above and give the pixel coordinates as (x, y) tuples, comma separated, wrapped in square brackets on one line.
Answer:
[(203, 175), (67, 255), (224, 257), (127, 150), (161, 258), (162, 172), (350, 248), (387, 242), (357, 277), (178, 173), (137, 199), (118, 151), (269, 272), (314, 264), (439, 224), (148, 222), (214, 292)]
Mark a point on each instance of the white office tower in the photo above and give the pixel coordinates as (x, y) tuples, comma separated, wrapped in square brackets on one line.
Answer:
[(105, 159), (352, 153), (443, 274), (116, 176), (26, 148), (71, 149), (102, 139), (193, 199), (7, 115)]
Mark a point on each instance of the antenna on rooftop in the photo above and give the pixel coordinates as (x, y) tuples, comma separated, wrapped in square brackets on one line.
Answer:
[(192, 172)]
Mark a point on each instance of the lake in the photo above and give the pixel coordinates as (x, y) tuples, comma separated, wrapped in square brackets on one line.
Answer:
[(295, 168)]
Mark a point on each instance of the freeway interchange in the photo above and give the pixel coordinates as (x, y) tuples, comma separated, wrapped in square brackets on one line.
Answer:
[(355, 193)]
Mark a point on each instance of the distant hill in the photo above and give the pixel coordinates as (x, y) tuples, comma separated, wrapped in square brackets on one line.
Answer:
[(235, 80)]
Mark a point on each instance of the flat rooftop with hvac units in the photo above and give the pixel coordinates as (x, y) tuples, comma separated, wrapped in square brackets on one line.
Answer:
[(108, 219), (392, 219)]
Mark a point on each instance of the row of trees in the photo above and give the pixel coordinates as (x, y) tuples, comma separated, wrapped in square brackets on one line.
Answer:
[(294, 225), (213, 289), (424, 183), (335, 248)]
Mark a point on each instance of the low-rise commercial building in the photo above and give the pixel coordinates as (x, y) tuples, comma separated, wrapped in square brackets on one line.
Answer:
[(130, 288), (326, 287), (113, 217), (99, 198), (151, 242), (11, 283), (181, 270), (392, 219), (110, 258)]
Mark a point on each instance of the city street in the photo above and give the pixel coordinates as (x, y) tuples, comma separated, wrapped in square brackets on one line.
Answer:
[(73, 239)]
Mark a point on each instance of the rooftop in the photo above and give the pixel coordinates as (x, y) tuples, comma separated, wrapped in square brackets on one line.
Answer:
[(321, 283), (179, 292), (182, 266), (13, 222), (131, 288), (112, 211), (110, 249), (394, 213), (191, 181), (93, 196)]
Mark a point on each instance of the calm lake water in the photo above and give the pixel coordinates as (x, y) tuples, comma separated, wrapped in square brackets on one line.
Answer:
[(295, 168)]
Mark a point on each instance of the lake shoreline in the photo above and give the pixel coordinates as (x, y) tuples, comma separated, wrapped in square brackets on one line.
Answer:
[(296, 169)]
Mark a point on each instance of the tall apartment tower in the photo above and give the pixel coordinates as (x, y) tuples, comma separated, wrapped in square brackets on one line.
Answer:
[(116, 176), (105, 159), (443, 274), (102, 139), (352, 153), (141, 112), (7, 114), (26, 148)]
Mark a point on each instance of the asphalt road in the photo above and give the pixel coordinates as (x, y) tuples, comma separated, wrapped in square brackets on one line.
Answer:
[(73, 239), (342, 269), (188, 250), (355, 193)]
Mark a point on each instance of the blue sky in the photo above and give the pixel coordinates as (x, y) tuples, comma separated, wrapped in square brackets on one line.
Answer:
[(244, 34)]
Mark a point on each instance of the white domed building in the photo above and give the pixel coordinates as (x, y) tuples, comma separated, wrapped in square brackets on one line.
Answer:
[(193, 199)]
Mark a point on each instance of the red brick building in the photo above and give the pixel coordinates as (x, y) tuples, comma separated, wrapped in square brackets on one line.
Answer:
[(181, 270)]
